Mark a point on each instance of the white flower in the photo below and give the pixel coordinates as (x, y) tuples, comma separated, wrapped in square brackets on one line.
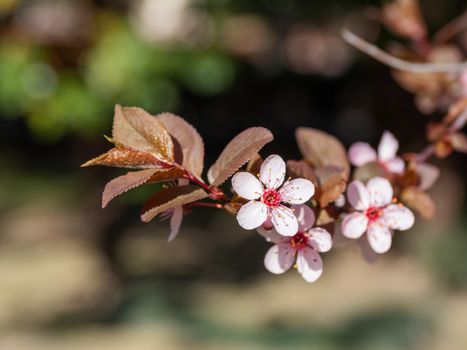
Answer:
[(265, 201), (375, 214), (361, 153), (303, 247)]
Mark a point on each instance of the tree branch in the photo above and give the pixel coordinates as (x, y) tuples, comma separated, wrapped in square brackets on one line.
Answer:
[(398, 63)]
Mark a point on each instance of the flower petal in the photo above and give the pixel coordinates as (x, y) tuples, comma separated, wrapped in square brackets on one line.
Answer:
[(279, 258), (269, 233), (367, 252), (380, 191), (320, 239), (361, 153), (175, 222), (358, 195), (284, 221), (428, 175), (305, 216), (252, 215), (247, 185), (309, 264), (395, 165), (388, 147), (272, 171), (398, 217), (379, 237), (297, 191), (354, 225)]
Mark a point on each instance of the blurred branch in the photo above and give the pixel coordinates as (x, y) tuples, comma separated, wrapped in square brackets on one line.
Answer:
[(451, 29), (398, 63)]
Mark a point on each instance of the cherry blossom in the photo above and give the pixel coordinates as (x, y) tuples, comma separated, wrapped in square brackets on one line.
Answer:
[(375, 214), (267, 195), (302, 248), (361, 153)]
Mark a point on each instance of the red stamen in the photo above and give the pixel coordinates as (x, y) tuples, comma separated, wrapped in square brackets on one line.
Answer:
[(373, 213), (299, 241), (271, 197)]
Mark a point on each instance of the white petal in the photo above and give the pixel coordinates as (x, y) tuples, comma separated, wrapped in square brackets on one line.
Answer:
[(361, 153), (309, 264), (354, 225), (284, 221), (175, 222), (252, 215), (272, 171), (367, 252), (388, 147), (428, 175), (379, 237), (320, 239), (279, 258), (247, 185), (395, 165), (305, 216), (380, 191), (297, 191), (398, 217), (358, 195), (269, 233)]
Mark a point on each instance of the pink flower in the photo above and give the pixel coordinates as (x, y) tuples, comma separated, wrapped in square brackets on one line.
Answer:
[(303, 247), (361, 153), (265, 201), (463, 81), (375, 214)]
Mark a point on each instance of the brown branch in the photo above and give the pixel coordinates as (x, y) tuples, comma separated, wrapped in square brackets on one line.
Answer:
[(398, 63), (451, 29)]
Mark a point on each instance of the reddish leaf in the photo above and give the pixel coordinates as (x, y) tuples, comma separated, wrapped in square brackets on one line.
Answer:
[(134, 179), (459, 142), (333, 181), (239, 151), (171, 197), (190, 141), (419, 201), (321, 149), (300, 168), (123, 157), (254, 164), (137, 129)]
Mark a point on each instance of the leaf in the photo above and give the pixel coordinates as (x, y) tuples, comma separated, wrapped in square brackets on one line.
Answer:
[(137, 129), (123, 157), (333, 182), (254, 164), (419, 201), (369, 171), (321, 149), (134, 179), (239, 151), (190, 141), (459, 142), (171, 197), (300, 168)]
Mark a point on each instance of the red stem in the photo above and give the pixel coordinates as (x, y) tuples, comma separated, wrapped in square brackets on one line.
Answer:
[(207, 204)]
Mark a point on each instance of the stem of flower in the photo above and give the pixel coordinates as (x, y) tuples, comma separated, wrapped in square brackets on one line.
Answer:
[(207, 204)]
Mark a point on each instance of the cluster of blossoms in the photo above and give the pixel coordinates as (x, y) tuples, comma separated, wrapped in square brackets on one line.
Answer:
[(291, 229)]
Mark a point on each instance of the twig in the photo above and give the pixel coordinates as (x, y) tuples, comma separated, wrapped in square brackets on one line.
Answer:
[(398, 63), (451, 29)]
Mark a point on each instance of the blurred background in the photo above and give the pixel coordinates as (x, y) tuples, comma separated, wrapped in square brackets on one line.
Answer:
[(74, 276)]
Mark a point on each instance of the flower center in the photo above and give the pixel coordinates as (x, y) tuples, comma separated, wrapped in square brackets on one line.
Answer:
[(271, 197), (299, 241), (373, 213)]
